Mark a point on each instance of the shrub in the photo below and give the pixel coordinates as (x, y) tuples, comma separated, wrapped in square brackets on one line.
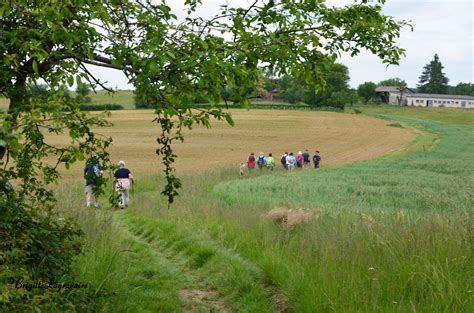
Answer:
[(143, 105), (100, 107), (398, 125), (36, 246)]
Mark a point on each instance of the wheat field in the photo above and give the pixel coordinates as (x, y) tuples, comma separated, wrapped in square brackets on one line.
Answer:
[(341, 139)]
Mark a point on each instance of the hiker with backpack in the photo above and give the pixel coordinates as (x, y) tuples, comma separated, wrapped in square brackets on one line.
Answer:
[(299, 160), (251, 162), (290, 161), (270, 162), (283, 160), (123, 179), (92, 173), (317, 159), (261, 161)]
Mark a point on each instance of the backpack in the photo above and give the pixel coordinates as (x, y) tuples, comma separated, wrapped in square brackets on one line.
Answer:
[(261, 160), (299, 160), (283, 160)]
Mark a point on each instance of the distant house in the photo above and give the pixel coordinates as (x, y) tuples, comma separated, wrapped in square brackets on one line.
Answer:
[(392, 95)]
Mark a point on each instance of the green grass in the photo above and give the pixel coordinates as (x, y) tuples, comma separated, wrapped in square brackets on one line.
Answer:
[(122, 97), (391, 235), (410, 218), (445, 115)]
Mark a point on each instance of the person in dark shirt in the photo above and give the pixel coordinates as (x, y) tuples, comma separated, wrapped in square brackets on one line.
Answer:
[(92, 172), (123, 180), (317, 159), (306, 160)]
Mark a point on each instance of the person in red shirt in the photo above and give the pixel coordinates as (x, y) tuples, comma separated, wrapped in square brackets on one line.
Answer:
[(251, 162)]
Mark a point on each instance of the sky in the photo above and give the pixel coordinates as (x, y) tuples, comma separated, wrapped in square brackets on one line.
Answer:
[(444, 27)]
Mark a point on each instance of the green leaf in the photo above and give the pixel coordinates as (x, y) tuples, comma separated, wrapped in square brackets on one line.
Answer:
[(3, 8), (228, 118), (70, 81), (35, 66)]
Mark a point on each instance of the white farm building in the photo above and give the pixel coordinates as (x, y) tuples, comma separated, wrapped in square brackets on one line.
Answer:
[(393, 95)]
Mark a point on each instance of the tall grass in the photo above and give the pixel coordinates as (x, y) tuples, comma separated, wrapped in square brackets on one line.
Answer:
[(389, 235), (393, 235)]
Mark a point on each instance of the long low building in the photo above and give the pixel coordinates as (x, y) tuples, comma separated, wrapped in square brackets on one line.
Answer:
[(393, 95)]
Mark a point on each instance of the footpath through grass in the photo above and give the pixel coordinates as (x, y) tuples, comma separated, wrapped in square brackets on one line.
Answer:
[(389, 235)]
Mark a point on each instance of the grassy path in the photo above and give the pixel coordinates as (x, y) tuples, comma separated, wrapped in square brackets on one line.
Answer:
[(210, 278)]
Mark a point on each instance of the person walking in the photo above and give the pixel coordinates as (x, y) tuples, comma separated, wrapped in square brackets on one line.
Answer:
[(261, 161), (283, 160), (290, 161), (123, 179), (251, 162), (270, 162), (317, 159), (92, 174), (299, 160), (306, 160)]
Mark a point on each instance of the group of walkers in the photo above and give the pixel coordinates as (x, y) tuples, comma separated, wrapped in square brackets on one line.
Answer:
[(288, 160), (123, 180)]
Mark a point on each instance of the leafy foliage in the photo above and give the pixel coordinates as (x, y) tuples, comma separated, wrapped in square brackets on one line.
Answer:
[(36, 246), (83, 90), (466, 89), (100, 107), (334, 93), (392, 82), (169, 61), (366, 90), (433, 80)]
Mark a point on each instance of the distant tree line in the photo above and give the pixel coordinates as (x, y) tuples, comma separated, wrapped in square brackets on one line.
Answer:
[(82, 97), (294, 90)]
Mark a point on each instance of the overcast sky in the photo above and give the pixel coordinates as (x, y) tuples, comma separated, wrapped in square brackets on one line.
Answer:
[(444, 27)]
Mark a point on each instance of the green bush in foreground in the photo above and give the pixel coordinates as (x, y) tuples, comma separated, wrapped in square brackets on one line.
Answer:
[(36, 253)]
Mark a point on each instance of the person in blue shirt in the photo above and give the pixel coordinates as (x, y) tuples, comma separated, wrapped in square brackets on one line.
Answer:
[(123, 178), (92, 172)]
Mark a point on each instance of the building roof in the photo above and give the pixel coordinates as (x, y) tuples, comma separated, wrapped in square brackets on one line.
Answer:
[(392, 89), (432, 95)]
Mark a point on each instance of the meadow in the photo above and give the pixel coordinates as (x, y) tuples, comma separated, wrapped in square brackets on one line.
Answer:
[(390, 234)]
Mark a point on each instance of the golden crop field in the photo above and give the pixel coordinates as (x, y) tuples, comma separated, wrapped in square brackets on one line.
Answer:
[(341, 138)]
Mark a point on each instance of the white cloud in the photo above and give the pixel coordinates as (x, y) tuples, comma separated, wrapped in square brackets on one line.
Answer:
[(442, 27)]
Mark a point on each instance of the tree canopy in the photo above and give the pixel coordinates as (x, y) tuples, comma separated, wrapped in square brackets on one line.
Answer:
[(466, 89), (395, 82), (167, 60), (366, 90), (433, 80)]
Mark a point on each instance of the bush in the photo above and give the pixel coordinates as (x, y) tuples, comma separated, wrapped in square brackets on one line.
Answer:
[(100, 107), (143, 105), (36, 247), (375, 101)]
